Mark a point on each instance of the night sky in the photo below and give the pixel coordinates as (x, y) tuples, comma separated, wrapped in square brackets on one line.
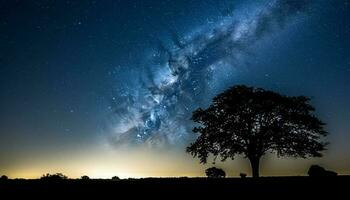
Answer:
[(107, 87)]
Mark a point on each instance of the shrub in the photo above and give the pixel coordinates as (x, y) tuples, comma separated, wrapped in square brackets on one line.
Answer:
[(243, 175), (85, 177), (214, 172), (57, 176), (318, 171)]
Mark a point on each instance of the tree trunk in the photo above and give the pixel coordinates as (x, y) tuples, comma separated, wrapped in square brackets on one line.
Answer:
[(254, 163)]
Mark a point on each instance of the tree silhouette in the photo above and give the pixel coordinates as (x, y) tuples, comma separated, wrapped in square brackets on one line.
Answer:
[(214, 172), (54, 177), (85, 177), (253, 121), (4, 177), (243, 175), (318, 171)]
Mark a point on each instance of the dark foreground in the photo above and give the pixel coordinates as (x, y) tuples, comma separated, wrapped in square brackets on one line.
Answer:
[(274, 187)]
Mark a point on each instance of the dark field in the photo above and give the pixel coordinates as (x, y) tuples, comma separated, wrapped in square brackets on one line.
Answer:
[(277, 187)]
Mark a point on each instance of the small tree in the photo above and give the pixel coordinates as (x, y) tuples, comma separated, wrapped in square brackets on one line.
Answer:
[(252, 121), (318, 171), (214, 172), (54, 177), (85, 177), (243, 175), (115, 178), (4, 177)]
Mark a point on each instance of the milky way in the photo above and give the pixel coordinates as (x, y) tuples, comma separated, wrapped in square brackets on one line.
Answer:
[(181, 75)]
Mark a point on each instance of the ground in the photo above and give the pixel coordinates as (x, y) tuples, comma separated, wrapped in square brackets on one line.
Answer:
[(181, 187)]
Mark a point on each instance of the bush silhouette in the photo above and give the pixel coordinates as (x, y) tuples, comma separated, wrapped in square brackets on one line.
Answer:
[(252, 121), (243, 175), (318, 171), (53, 177), (4, 177), (85, 177), (214, 172), (115, 178)]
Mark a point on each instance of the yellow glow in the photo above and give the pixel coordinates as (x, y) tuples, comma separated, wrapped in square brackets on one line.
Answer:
[(144, 162)]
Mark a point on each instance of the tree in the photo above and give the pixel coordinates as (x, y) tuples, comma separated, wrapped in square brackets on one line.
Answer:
[(253, 121), (243, 175), (54, 177), (4, 177), (85, 177), (214, 172), (115, 178), (318, 171)]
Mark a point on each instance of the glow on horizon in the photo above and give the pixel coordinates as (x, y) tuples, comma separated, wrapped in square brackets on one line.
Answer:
[(143, 163), (105, 163)]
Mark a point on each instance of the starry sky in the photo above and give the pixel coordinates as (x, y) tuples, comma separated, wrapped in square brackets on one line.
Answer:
[(107, 88)]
